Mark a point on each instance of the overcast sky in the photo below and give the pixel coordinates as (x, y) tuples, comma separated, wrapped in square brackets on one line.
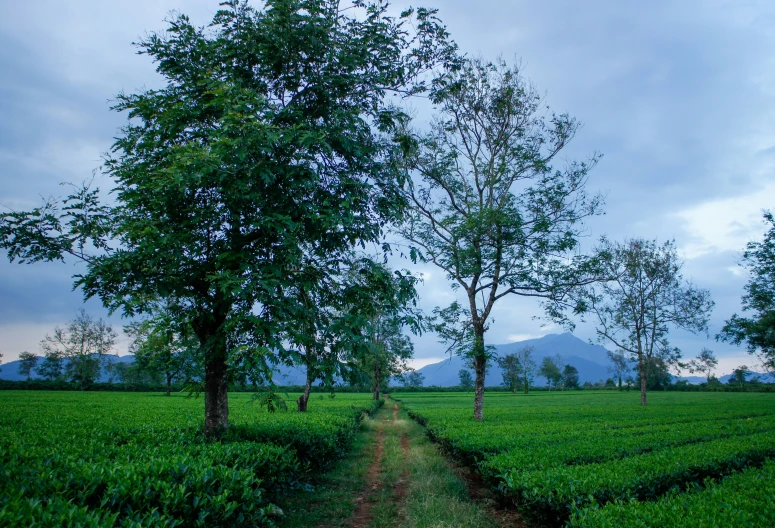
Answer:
[(678, 96)]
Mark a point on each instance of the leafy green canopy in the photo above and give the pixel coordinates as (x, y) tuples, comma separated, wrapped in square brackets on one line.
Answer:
[(269, 150), (758, 330), (488, 206)]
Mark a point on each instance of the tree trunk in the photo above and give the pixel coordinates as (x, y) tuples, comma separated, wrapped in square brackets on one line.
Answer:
[(376, 381), (643, 374), (169, 383), (620, 383), (216, 391), (304, 398), (480, 365), (527, 384), (480, 369), (212, 339)]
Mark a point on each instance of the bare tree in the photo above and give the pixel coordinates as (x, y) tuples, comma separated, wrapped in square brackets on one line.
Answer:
[(644, 297), (488, 206)]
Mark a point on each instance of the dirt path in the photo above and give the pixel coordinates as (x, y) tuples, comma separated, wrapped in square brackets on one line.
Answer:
[(363, 514), (411, 484)]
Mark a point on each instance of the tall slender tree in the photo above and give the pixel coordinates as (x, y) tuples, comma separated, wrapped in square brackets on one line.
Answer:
[(488, 206), (271, 139), (644, 297)]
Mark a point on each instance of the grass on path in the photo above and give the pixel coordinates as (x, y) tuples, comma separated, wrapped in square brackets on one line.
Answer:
[(410, 484)]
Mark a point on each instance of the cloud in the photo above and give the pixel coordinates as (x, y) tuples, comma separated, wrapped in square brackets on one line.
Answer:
[(516, 338), (419, 363), (678, 97), (725, 224)]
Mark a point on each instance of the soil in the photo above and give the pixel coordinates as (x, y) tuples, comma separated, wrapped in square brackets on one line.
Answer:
[(363, 516)]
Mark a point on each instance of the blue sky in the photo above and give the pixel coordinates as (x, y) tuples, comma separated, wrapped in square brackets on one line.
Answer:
[(679, 97)]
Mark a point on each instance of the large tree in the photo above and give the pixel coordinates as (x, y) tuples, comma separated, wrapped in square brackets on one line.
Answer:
[(83, 345), (488, 206), (644, 297), (269, 141), (757, 331)]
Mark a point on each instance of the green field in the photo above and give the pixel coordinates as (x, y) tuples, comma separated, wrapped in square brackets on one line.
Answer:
[(139, 459), (568, 458), (600, 459)]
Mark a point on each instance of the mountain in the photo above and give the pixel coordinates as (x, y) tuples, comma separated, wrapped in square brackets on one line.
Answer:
[(10, 371), (590, 360), (694, 380)]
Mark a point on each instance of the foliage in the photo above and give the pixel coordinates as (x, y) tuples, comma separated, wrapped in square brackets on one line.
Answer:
[(551, 371), (511, 369), (704, 363), (528, 366), (271, 144), (413, 379), (619, 365), (27, 363), (570, 377), (658, 375), (559, 456), (488, 207), (51, 367), (386, 307), (131, 459), (739, 375), (163, 348), (757, 331), (83, 346), (744, 499), (643, 297), (466, 379), (271, 400)]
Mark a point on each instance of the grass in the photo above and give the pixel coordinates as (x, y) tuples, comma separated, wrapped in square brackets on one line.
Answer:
[(415, 487)]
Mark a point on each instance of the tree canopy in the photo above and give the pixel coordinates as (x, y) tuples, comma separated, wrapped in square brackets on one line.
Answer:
[(643, 297), (757, 331), (269, 150), (488, 206)]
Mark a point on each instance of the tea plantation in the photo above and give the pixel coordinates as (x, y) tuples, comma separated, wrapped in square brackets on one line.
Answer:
[(72, 459), (600, 459)]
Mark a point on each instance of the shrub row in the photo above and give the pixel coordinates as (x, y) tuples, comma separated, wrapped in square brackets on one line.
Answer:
[(535, 454), (86, 459), (744, 499), (558, 492)]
